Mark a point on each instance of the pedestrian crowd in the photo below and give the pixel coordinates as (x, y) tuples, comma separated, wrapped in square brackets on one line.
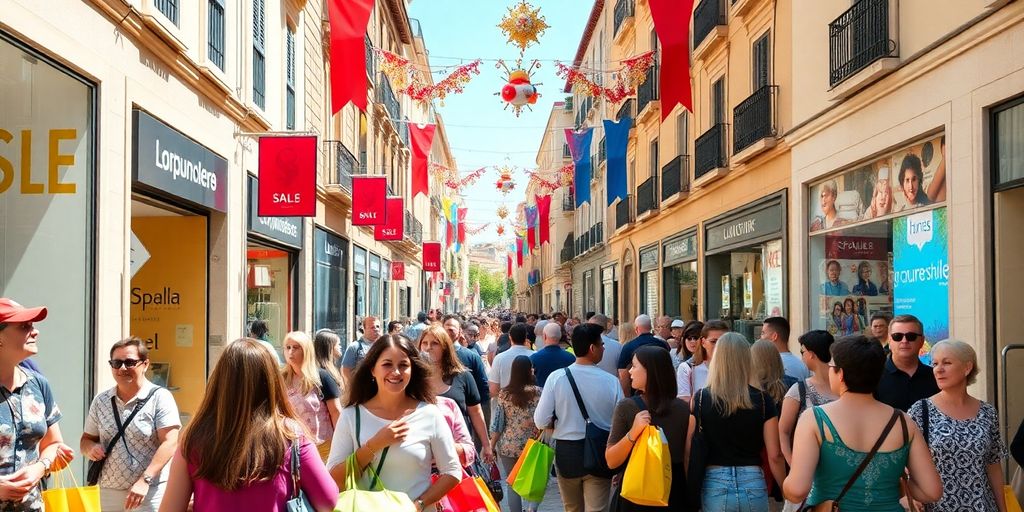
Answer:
[(653, 414)]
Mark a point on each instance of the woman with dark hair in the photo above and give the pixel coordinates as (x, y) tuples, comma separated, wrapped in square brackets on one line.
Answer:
[(235, 454), (864, 285), (814, 351), (834, 439), (395, 327), (512, 424), (327, 349), (259, 331), (912, 182), (652, 376), (390, 421), (689, 340)]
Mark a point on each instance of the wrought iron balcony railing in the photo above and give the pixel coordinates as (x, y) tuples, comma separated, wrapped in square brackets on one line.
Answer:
[(386, 97), (568, 202), (647, 196), (648, 91), (568, 249), (675, 177), (710, 150), (754, 118), (623, 212), (371, 63), (344, 164), (707, 15), (624, 9), (857, 38), (627, 109)]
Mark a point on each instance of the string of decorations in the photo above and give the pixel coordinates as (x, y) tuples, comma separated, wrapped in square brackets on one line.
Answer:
[(466, 181), (523, 25), (407, 80), (477, 230), (631, 76)]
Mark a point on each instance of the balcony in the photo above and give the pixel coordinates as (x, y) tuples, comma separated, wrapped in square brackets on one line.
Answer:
[(708, 25), (386, 97), (754, 126), (647, 93), (859, 41), (675, 177), (341, 166), (413, 228), (624, 11), (623, 213), (711, 155), (568, 202), (371, 68), (568, 249), (627, 109), (647, 196), (403, 133), (601, 151)]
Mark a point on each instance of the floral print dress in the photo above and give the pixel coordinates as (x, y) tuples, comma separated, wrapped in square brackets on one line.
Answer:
[(514, 423), (25, 416)]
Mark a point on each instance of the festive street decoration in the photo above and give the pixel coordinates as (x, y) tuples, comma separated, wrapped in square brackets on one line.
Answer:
[(422, 137), (537, 179), (458, 184), (579, 146), (505, 183), (616, 140), (477, 230), (519, 91), (348, 21), (408, 80), (500, 229), (502, 212), (672, 24), (523, 25), (632, 75)]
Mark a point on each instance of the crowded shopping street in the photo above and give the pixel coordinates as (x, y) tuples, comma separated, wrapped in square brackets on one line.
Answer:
[(511, 255)]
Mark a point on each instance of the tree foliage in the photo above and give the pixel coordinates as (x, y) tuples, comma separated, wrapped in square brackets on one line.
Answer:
[(492, 285)]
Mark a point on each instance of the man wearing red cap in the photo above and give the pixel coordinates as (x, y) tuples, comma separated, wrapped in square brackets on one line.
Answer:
[(28, 415)]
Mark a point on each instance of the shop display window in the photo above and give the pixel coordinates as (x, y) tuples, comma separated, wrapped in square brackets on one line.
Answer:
[(681, 290), (269, 290)]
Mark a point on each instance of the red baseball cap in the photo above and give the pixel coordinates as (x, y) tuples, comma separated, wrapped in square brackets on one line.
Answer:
[(11, 312)]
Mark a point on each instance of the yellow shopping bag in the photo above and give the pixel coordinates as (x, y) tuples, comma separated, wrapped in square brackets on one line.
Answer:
[(648, 477), (70, 499), (1012, 505), (485, 493)]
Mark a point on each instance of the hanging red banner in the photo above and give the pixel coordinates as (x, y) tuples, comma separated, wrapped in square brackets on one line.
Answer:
[(519, 252), (398, 271), (544, 217), (508, 267), (672, 24), (369, 196), (462, 224), (422, 137), (287, 177), (394, 227), (348, 19), (449, 234), (431, 256)]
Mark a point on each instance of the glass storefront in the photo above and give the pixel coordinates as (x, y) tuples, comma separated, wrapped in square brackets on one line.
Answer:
[(649, 281), (375, 288), (878, 242), (330, 297), (745, 265), (359, 285), (679, 275)]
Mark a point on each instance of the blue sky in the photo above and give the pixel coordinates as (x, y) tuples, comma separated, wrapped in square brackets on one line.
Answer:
[(479, 131)]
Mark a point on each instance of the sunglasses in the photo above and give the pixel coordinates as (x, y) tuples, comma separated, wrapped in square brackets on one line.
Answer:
[(127, 363), (694, 338), (910, 336)]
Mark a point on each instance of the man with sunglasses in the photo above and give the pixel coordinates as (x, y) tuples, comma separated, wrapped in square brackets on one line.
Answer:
[(905, 379)]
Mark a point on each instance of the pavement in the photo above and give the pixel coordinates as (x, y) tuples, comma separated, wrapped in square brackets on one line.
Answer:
[(552, 499)]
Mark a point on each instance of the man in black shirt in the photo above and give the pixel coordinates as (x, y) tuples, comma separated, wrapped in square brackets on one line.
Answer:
[(643, 325), (905, 379)]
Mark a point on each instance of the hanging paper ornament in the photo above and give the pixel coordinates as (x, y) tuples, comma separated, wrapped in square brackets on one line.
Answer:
[(519, 90), (501, 229), (505, 183), (523, 25), (502, 212), (626, 80)]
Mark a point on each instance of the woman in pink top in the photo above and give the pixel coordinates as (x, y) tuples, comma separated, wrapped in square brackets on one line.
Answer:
[(235, 452), (463, 440)]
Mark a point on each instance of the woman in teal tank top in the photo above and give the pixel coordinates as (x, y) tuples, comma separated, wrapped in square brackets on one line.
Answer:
[(831, 441)]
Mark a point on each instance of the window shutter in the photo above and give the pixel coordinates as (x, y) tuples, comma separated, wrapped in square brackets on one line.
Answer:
[(761, 60), (718, 94)]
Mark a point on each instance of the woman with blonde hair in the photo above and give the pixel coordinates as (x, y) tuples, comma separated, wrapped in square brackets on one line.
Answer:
[(739, 421), (450, 379), (766, 365), (236, 452), (312, 391), (963, 434)]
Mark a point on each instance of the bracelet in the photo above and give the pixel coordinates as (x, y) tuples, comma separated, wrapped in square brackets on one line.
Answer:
[(630, 438)]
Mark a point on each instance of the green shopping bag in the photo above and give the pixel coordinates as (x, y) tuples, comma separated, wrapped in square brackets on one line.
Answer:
[(532, 479), (354, 499)]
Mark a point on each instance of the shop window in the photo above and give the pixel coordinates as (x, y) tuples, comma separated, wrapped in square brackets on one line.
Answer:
[(1008, 145), (269, 290), (330, 295), (681, 290), (649, 293)]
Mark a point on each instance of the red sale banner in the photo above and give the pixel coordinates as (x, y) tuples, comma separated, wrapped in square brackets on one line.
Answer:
[(398, 271), (287, 177), (431, 256), (369, 195), (394, 227)]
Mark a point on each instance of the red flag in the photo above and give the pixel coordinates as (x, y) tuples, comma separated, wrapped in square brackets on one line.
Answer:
[(672, 23), (449, 234), (394, 227), (508, 267), (544, 217), (398, 271), (348, 52), (462, 224), (287, 177), (369, 195), (431, 256), (519, 252), (531, 238), (421, 137)]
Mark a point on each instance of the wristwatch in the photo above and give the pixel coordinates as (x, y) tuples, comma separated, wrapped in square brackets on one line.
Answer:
[(148, 479), (46, 463), (419, 505)]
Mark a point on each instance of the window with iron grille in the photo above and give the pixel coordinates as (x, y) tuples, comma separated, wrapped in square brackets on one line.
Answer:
[(718, 101), (259, 60), (215, 33), (169, 8), (761, 58), (289, 79)]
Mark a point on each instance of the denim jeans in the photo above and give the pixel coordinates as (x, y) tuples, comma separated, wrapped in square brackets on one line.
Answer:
[(514, 502), (734, 489)]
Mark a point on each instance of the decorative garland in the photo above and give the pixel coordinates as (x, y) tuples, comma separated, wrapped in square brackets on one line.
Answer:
[(632, 75), (477, 230), (406, 79), (468, 180)]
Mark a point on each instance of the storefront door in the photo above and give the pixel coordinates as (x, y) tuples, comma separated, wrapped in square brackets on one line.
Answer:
[(679, 276)]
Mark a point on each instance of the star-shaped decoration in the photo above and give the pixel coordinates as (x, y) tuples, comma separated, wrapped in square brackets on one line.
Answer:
[(523, 25)]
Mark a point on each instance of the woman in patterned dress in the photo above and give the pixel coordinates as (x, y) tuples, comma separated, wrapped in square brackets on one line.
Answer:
[(963, 434), (312, 391), (30, 440), (512, 424)]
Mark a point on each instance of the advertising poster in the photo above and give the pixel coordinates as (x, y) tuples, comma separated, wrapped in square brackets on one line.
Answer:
[(901, 181), (855, 283), (726, 299), (773, 284), (921, 273)]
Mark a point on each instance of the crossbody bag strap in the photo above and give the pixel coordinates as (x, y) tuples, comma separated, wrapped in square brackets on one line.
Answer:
[(867, 460), (119, 436), (295, 465), (579, 399), (383, 453)]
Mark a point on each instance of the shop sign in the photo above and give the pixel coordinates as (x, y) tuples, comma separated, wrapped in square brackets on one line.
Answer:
[(398, 270), (394, 226), (165, 159), (763, 222), (287, 230), (649, 259), (431, 256), (369, 195), (680, 250), (773, 286), (288, 172), (329, 248), (921, 271)]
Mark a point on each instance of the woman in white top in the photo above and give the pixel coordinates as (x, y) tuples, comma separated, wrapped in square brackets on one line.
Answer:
[(135, 472), (692, 375), (391, 422)]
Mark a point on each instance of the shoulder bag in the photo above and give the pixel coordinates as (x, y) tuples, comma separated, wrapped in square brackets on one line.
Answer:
[(697, 464), (833, 505), (596, 440), (298, 502), (96, 466)]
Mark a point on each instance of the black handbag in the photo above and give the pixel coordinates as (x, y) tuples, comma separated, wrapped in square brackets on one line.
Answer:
[(96, 466), (698, 458), (298, 501), (595, 442)]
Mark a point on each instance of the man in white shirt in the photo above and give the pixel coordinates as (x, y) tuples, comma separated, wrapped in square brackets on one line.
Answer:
[(612, 347), (776, 330), (355, 352), (501, 368), (599, 392)]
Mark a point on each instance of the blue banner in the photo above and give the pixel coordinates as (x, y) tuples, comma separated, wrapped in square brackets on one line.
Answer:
[(579, 146), (921, 272), (616, 138)]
